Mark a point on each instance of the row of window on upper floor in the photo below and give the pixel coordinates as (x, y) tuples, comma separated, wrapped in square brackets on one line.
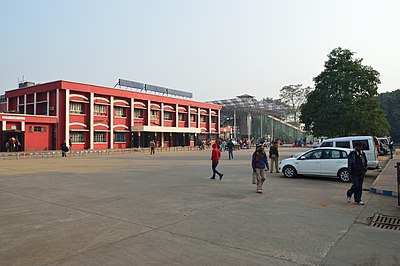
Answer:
[(101, 110), (99, 137)]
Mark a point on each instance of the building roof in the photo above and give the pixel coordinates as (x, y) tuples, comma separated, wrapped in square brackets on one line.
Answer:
[(247, 101)]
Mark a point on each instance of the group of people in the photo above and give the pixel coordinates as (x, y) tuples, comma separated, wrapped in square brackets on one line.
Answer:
[(13, 144), (259, 162), (357, 167)]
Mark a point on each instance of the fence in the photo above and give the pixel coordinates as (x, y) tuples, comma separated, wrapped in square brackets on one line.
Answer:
[(54, 154)]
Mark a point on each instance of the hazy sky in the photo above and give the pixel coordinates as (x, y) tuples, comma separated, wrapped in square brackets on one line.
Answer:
[(216, 49)]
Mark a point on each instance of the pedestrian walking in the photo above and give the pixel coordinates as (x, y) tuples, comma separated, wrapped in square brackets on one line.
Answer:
[(259, 163), (357, 167), (64, 149), (391, 149), (152, 147), (230, 147), (215, 156), (274, 156)]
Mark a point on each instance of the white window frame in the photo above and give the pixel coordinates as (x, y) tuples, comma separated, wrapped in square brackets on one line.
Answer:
[(100, 137), (76, 108), (77, 136), (120, 137)]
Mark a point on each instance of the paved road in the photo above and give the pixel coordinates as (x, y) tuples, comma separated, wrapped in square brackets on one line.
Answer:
[(163, 210)]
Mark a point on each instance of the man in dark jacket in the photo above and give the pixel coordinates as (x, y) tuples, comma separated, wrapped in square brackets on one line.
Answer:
[(274, 156), (357, 168), (230, 147)]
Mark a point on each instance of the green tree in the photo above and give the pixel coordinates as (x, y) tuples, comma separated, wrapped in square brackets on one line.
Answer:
[(390, 103), (294, 96), (344, 100)]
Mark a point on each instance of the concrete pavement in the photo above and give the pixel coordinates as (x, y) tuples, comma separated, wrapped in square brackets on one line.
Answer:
[(386, 182), (138, 209)]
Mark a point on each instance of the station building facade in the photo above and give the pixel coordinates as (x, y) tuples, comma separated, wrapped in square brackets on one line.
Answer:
[(94, 117)]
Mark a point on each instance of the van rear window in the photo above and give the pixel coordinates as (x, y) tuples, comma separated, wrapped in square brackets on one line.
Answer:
[(365, 144), (343, 144)]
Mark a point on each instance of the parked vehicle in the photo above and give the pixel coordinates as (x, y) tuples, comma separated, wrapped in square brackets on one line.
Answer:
[(385, 145), (370, 147), (319, 161)]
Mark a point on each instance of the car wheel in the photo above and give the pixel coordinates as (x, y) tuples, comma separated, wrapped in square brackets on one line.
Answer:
[(289, 171), (343, 175)]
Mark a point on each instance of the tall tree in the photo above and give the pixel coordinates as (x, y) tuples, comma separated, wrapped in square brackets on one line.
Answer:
[(294, 96), (390, 102), (344, 100)]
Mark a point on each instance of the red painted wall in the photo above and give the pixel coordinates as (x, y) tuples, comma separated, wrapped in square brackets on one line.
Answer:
[(38, 141)]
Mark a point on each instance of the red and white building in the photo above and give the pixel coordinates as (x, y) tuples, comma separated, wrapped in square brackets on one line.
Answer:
[(93, 117)]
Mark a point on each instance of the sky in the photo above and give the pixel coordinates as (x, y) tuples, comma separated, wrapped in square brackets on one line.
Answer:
[(216, 49)]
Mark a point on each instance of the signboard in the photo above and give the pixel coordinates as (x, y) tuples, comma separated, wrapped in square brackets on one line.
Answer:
[(9, 117)]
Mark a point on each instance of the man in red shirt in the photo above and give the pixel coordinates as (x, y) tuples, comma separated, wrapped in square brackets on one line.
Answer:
[(215, 155)]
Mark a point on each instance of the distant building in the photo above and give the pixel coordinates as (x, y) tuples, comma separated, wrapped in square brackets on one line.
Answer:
[(43, 116), (250, 118)]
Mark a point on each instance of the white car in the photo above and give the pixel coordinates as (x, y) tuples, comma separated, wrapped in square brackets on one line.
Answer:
[(320, 161)]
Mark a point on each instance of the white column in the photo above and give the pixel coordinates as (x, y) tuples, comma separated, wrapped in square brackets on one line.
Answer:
[(7, 103), (4, 126), (176, 115), (249, 125), (34, 103), (91, 126), (198, 117), (48, 103), (188, 116), (162, 116), (24, 104), (148, 112), (17, 104), (112, 122), (66, 117), (219, 122), (209, 120), (234, 124), (162, 139), (23, 126), (132, 113), (57, 102)]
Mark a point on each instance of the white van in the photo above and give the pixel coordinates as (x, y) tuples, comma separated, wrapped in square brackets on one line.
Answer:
[(369, 143)]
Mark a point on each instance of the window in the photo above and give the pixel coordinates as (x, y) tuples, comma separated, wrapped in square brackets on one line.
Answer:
[(100, 137), (192, 118), (181, 117), (119, 137), (100, 110), (76, 108), (327, 144), (213, 119), (343, 144), (37, 129), (168, 116), (344, 154), (313, 155), (364, 142), (203, 118), (154, 115), (77, 137), (119, 112), (138, 113)]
